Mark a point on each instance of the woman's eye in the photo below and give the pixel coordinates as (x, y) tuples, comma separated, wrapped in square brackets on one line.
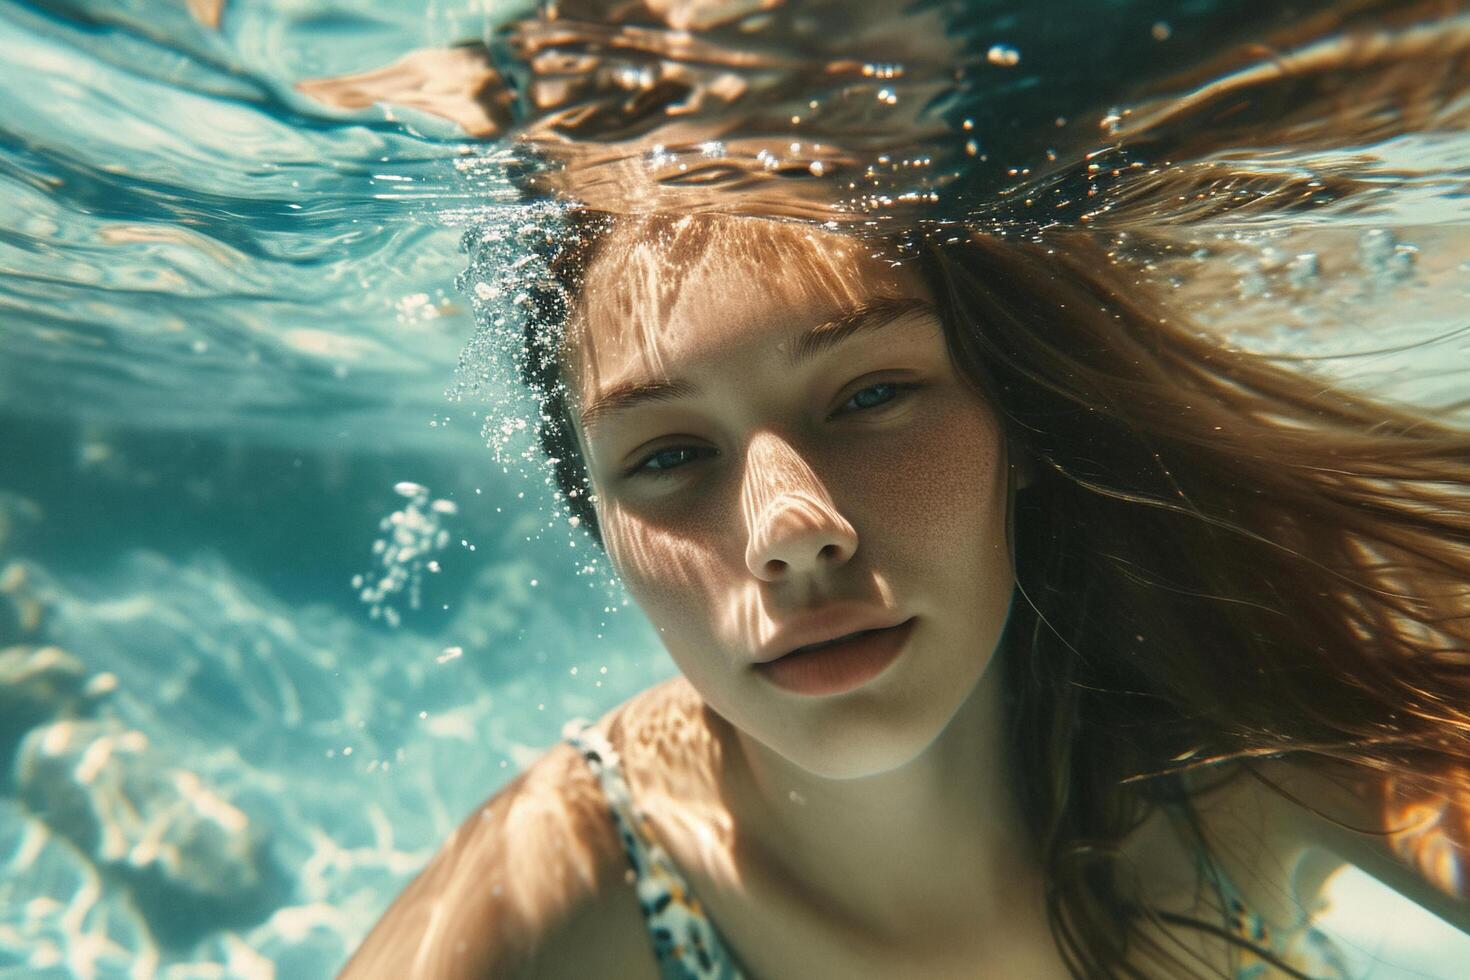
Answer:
[(879, 394), (660, 461)]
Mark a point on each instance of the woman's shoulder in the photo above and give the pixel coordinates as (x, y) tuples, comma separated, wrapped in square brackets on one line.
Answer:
[(1249, 861), (534, 883)]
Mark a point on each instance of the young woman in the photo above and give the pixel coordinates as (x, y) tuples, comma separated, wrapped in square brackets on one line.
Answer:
[(1137, 638), (1023, 629)]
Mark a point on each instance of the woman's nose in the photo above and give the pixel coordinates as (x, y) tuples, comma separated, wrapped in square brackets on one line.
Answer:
[(795, 529)]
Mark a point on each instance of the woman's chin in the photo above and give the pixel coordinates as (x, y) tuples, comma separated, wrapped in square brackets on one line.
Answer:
[(867, 740)]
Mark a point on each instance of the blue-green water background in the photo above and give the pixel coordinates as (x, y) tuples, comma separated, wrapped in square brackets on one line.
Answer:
[(227, 324)]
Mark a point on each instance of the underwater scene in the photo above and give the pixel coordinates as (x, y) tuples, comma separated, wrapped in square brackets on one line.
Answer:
[(285, 588)]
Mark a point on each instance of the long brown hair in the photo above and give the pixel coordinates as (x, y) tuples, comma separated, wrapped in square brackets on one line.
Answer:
[(1221, 559)]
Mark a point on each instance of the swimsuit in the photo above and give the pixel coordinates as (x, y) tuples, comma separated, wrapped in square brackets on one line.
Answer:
[(687, 946)]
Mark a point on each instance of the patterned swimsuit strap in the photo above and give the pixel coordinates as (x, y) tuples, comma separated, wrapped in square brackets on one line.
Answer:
[(686, 944)]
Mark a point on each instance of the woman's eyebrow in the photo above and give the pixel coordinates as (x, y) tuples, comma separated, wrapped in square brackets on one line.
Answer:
[(864, 318), (872, 315)]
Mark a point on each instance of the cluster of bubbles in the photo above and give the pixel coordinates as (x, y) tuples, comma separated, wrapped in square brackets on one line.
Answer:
[(508, 368), (1383, 263), (1385, 260), (411, 538), (520, 313)]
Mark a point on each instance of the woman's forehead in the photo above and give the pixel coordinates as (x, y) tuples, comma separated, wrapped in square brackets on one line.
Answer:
[(658, 289)]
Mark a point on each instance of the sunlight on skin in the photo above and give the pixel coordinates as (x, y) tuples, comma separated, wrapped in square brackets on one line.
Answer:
[(546, 840), (640, 311), (666, 741), (786, 509), (645, 547)]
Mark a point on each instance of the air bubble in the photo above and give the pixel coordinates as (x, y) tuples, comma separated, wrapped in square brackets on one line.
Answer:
[(1304, 270), (1004, 55), (1385, 259)]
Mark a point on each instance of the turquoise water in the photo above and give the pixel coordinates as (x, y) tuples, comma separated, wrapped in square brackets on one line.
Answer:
[(228, 323)]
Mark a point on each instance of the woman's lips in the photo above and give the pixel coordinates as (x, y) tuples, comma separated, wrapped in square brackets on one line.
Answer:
[(838, 667)]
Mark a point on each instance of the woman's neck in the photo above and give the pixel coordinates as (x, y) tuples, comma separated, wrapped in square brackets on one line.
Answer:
[(937, 842)]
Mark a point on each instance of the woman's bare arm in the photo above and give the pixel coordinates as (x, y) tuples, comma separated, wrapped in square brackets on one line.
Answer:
[(1407, 842), (531, 885)]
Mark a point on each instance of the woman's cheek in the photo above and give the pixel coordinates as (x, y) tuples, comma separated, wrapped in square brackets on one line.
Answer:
[(936, 483), (663, 569)]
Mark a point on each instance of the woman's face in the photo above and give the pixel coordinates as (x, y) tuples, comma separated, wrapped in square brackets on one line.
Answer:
[(780, 448)]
